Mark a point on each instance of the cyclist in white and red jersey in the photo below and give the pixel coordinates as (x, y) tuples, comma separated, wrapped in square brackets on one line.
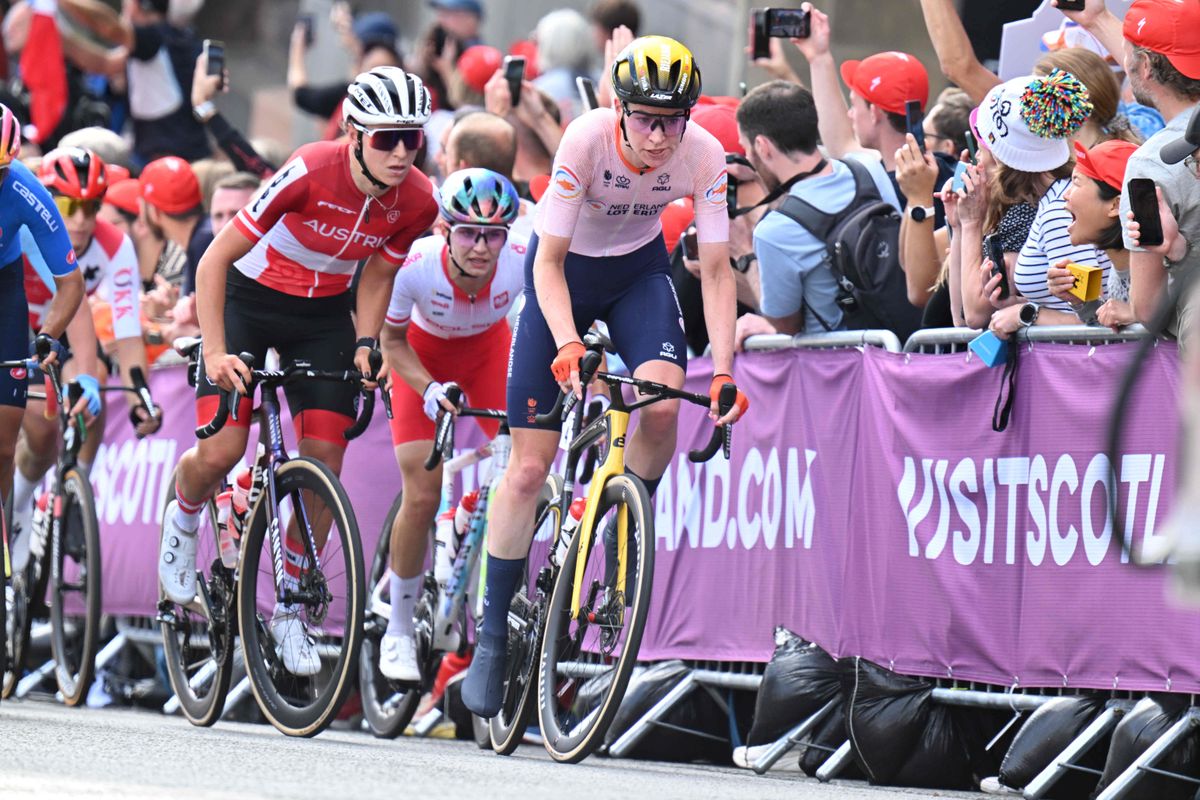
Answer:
[(77, 179), (279, 277), (598, 253), (445, 327)]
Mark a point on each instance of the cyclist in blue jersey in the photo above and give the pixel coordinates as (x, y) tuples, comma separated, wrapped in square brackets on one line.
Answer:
[(25, 204)]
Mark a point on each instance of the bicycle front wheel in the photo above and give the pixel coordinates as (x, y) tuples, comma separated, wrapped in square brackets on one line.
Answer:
[(588, 656), (198, 641), (526, 615), (75, 593), (329, 605)]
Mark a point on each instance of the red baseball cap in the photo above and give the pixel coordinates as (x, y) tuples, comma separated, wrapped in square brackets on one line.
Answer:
[(1168, 27), (478, 64), (170, 185), (538, 185), (527, 49), (124, 195), (888, 80), (721, 122), (1105, 162)]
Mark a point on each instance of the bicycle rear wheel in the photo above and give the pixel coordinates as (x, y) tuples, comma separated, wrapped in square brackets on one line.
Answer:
[(75, 595), (387, 707), (25, 600), (586, 659), (198, 640), (525, 622), (332, 606), (5, 580)]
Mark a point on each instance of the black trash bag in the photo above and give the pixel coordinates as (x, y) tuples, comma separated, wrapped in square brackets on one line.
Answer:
[(800, 679), (1045, 735), (696, 711), (828, 737), (900, 736), (1140, 728), (979, 727)]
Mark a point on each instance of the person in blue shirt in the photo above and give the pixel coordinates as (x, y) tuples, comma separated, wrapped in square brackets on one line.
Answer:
[(25, 204)]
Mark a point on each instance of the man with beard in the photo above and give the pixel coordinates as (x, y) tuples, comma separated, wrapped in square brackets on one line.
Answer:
[(172, 210), (777, 127), (1162, 60)]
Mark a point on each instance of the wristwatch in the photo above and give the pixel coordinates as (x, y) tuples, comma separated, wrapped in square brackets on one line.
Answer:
[(921, 213), (742, 263), (205, 111), (1029, 314)]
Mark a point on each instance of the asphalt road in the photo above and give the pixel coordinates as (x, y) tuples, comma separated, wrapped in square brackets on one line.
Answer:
[(48, 751)]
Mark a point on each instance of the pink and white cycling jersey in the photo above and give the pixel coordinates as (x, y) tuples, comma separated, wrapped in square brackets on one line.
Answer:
[(110, 271), (424, 294), (607, 206)]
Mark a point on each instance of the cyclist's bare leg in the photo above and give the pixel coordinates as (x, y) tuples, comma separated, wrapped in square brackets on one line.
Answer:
[(331, 455), (38, 443), (510, 521), (10, 426), (202, 468), (418, 506), (652, 443)]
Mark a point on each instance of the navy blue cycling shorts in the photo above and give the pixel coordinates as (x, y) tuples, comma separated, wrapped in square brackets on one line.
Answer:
[(14, 333), (632, 293)]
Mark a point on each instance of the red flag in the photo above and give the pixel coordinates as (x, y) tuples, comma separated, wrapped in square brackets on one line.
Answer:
[(44, 72)]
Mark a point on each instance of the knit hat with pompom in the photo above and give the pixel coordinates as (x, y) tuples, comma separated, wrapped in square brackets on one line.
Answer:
[(1027, 123)]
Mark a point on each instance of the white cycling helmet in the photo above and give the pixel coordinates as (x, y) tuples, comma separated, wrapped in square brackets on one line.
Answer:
[(387, 96)]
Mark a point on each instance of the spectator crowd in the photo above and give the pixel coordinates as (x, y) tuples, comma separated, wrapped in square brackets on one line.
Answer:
[(990, 205)]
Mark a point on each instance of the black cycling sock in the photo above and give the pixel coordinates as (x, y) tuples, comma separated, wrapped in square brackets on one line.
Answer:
[(503, 575)]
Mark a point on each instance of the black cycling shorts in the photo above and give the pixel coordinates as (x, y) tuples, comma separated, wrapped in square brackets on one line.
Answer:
[(14, 333), (318, 330)]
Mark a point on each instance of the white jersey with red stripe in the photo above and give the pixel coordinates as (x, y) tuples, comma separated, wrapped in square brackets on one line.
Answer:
[(110, 272), (424, 294), (606, 206), (311, 224)]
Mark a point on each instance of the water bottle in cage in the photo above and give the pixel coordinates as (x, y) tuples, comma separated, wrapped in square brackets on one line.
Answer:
[(570, 524), (40, 528), (451, 528)]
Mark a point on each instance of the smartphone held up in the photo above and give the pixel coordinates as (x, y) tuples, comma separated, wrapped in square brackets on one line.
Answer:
[(776, 23), (514, 73)]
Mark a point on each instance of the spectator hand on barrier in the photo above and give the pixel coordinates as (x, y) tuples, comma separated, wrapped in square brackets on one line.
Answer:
[(1174, 246), (750, 325), (1115, 314), (1006, 321)]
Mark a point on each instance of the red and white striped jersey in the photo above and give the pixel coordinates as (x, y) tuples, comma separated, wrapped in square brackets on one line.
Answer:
[(311, 224), (110, 271), (424, 294)]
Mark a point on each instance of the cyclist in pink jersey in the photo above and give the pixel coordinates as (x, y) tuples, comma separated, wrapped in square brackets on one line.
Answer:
[(446, 327), (598, 254), (279, 277)]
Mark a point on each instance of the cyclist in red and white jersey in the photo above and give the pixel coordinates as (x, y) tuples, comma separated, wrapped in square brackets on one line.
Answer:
[(77, 179), (598, 254), (445, 327), (279, 277)]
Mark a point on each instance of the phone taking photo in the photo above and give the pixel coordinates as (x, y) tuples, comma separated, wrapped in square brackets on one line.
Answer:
[(514, 73), (788, 23), (760, 43), (214, 52), (995, 252), (587, 93), (972, 147), (306, 22), (914, 119), (1143, 202)]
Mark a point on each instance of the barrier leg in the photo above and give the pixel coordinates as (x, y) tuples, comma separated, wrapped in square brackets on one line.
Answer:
[(235, 696), (110, 650), (792, 738), (640, 728), (30, 681), (1126, 780), (1100, 727), (837, 762)]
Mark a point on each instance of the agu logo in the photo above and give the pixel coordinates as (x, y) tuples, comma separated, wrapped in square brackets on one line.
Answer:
[(566, 184)]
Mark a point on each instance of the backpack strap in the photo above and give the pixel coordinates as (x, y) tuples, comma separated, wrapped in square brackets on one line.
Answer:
[(817, 222), (864, 185)]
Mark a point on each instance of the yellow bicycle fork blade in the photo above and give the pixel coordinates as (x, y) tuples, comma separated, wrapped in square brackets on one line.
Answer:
[(613, 465)]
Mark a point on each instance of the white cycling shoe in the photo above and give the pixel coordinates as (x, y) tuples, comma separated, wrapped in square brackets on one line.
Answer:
[(398, 658), (20, 537), (177, 558), (293, 644)]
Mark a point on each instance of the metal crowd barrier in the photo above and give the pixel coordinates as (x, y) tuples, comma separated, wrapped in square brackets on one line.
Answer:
[(955, 340)]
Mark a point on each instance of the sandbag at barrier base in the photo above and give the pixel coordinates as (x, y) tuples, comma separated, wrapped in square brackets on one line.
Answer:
[(1139, 729), (799, 680), (1045, 735)]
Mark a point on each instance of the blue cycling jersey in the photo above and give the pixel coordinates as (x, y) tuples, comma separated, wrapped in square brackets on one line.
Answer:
[(25, 203)]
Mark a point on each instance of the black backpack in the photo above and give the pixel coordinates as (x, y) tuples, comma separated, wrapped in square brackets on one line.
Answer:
[(863, 242)]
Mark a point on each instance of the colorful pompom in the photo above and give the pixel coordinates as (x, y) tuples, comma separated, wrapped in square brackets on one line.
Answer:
[(1055, 106)]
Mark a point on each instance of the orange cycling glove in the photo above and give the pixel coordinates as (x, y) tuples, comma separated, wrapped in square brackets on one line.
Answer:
[(567, 360), (742, 403)]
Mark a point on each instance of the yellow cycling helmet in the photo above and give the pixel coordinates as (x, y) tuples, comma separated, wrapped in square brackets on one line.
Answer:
[(656, 71)]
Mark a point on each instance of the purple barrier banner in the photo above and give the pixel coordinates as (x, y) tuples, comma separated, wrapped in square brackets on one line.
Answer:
[(868, 506)]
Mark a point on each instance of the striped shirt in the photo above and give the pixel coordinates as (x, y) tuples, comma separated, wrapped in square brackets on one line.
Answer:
[(1047, 245)]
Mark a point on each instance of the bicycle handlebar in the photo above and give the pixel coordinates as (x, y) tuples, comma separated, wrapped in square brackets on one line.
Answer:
[(445, 423), (367, 409), (722, 437)]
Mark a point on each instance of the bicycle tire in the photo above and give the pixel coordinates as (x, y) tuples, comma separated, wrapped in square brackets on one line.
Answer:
[(203, 703), (4, 580), (75, 655), (386, 716), (507, 728), (575, 744), (311, 717)]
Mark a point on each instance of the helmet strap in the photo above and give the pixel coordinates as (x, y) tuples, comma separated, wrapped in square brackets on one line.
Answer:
[(462, 272), (358, 154)]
